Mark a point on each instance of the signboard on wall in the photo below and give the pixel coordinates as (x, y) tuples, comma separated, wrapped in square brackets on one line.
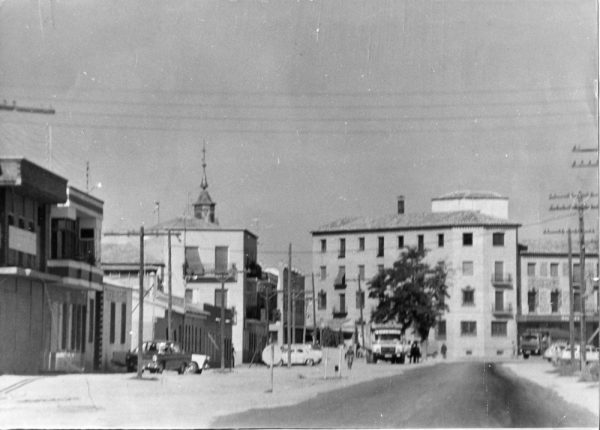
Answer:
[(10, 172), (22, 240)]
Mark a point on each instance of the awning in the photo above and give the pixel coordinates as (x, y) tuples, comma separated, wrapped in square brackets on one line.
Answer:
[(193, 264), (340, 279)]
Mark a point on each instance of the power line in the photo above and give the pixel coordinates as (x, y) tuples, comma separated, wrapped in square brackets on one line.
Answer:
[(475, 127), (312, 106), (288, 93)]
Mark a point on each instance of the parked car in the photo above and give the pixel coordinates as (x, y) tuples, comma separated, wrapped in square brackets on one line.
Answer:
[(302, 354), (554, 351), (160, 355), (591, 353)]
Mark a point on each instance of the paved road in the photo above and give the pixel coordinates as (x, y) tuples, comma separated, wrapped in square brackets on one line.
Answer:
[(447, 395)]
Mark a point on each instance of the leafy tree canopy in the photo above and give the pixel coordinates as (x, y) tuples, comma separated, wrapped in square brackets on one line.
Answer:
[(411, 293)]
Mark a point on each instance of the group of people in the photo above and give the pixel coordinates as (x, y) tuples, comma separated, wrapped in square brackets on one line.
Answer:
[(413, 353)]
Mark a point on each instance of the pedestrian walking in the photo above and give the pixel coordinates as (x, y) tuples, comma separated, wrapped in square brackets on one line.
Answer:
[(349, 357), (444, 350)]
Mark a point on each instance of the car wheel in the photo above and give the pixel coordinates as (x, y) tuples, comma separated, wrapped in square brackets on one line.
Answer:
[(310, 362), (192, 368), (161, 368), (525, 355)]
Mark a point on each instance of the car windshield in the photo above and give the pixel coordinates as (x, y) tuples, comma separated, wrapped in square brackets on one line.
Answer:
[(387, 337)]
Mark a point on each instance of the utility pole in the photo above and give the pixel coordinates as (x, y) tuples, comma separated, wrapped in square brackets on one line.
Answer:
[(314, 310), (170, 303), (141, 306), (362, 305), (289, 308), (580, 206), (582, 287), (571, 304)]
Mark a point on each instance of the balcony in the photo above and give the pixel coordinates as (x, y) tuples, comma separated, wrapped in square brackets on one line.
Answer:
[(208, 275), (501, 279), (341, 313), (502, 310)]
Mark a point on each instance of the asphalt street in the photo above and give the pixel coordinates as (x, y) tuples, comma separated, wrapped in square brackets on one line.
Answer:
[(468, 394)]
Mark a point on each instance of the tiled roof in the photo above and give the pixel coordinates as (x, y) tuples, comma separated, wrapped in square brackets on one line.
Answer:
[(557, 246), (129, 252), (467, 194), (182, 223), (416, 220)]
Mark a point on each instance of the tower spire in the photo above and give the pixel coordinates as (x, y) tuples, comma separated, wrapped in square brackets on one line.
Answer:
[(204, 183)]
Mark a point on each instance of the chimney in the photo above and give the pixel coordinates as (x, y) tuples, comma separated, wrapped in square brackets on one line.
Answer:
[(400, 205)]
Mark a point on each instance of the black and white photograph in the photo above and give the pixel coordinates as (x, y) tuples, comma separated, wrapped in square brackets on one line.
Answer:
[(299, 214)]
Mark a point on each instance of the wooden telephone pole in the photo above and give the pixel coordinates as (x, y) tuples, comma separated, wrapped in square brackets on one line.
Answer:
[(580, 206)]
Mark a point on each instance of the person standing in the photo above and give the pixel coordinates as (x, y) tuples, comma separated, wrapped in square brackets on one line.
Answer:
[(444, 350)]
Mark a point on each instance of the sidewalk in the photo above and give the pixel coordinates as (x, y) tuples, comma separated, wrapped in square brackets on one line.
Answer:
[(570, 388)]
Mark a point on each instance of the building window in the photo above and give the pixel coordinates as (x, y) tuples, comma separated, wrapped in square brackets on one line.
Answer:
[(468, 328), (576, 301), (421, 242), (322, 302), (400, 242), (218, 298), (380, 243), (342, 253), (499, 328), (498, 239), (531, 300), (323, 245), (467, 239), (323, 272), (468, 296), (467, 268), (340, 279), (342, 303), (440, 240), (499, 271), (530, 269), (555, 300), (91, 321), (123, 321), (361, 272), (361, 243), (113, 316), (576, 273), (440, 331), (360, 299), (554, 270)]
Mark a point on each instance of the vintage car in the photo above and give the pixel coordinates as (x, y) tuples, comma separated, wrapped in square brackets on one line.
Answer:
[(591, 353), (306, 354), (160, 355), (302, 354)]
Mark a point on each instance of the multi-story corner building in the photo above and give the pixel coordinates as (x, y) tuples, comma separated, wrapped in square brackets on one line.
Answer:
[(469, 231), (208, 262), (52, 300), (544, 288)]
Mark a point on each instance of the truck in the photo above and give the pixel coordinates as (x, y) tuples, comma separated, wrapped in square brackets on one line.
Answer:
[(533, 343), (385, 342)]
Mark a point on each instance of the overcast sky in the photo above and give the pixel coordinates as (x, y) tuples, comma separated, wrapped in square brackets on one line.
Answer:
[(311, 110)]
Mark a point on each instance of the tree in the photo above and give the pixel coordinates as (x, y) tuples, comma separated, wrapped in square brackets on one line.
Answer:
[(411, 293)]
